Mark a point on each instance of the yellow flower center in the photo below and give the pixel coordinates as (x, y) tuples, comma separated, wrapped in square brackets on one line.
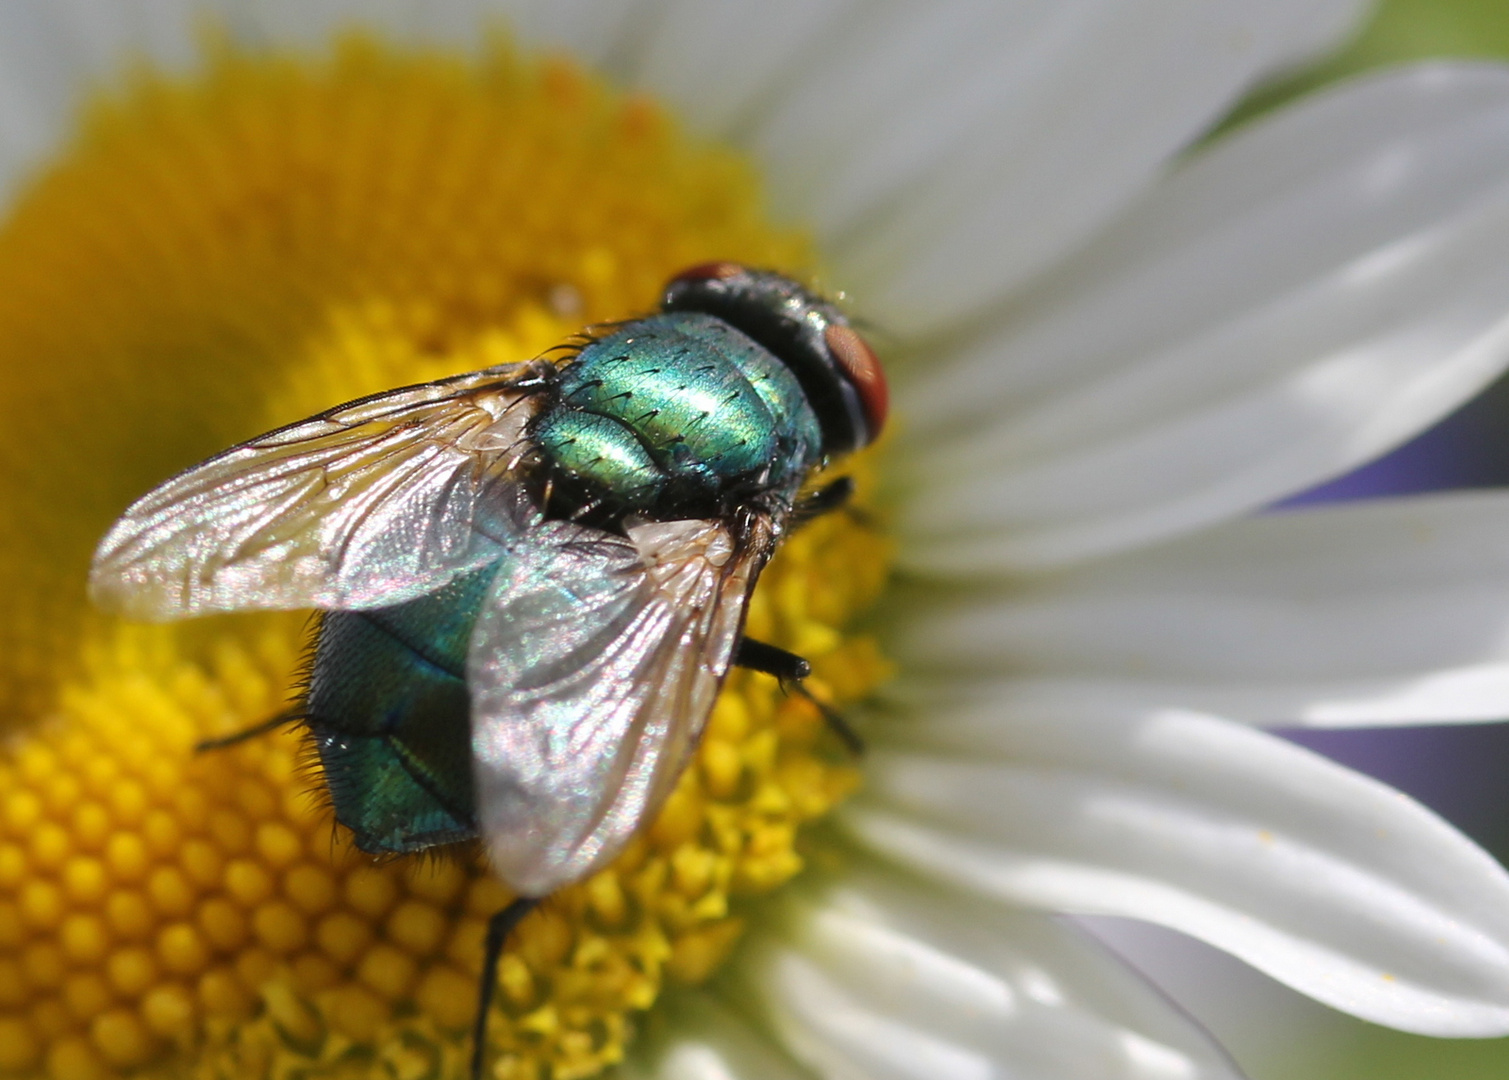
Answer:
[(217, 255)]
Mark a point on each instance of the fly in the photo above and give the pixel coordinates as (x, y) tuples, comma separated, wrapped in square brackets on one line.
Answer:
[(533, 577)]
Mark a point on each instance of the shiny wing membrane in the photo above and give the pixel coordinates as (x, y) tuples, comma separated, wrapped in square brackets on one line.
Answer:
[(593, 667), (372, 503)]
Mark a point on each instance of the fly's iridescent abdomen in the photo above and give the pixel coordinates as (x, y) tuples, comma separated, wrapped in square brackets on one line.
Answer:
[(389, 714)]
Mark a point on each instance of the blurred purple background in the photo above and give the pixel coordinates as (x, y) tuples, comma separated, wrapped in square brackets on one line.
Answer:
[(1458, 770)]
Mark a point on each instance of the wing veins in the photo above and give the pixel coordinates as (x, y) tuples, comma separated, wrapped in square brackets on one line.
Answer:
[(593, 668), (374, 501)]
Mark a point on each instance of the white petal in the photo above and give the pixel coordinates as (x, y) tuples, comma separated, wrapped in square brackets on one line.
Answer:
[(879, 979), (945, 153), (1394, 610), (720, 64), (1329, 27), (52, 52), (849, 104), (106, 36), (34, 95), (1298, 299), (313, 25), (709, 1042), (1329, 881), (601, 32), (1471, 694)]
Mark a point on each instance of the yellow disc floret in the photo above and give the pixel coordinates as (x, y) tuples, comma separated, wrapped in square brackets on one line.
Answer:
[(218, 254)]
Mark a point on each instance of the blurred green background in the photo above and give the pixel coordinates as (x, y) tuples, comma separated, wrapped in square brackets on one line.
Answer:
[(1273, 1033), (1402, 31)]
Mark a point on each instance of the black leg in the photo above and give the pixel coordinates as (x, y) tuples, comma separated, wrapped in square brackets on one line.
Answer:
[(836, 723), (824, 500), (770, 660), (791, 669), (270, 724), (498, 928)]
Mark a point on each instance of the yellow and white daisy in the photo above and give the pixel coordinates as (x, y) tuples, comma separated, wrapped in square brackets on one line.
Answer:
[(1108, 354)]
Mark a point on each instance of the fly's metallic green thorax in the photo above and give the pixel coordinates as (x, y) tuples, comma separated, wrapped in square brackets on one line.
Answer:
[(678, 415)]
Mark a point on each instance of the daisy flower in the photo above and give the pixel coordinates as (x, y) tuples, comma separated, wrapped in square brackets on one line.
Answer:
[(1058, 596)]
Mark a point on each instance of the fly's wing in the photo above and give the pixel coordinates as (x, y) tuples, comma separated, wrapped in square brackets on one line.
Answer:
[(593, 667), (375, 502)]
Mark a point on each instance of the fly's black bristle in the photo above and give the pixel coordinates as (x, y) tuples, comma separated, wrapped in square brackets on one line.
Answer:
[(298, 689)]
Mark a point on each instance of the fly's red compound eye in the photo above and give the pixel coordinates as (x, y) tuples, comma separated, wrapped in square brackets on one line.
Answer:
[(709, 271), (862, 368)]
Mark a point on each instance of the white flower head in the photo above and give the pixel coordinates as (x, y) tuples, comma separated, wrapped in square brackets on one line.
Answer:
[(1110, 353)]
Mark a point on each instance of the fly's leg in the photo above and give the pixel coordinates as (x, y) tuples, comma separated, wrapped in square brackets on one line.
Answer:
[(498, 928), (835, 721), (270, 724), (824, 500), (771, 660), (791, 669)]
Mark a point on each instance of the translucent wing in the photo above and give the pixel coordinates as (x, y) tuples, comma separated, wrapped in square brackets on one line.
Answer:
[(593, 666), (375, 502)]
